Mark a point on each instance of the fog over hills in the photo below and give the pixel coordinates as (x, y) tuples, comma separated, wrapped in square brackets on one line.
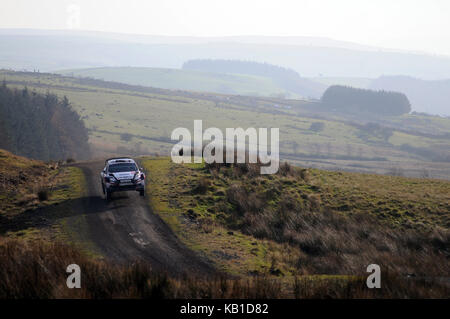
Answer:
[(432, 97), (157, 39), (422, 77), (55, 50)]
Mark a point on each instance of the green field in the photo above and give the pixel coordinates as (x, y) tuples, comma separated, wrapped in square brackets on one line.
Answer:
[(177, 79), (125, 119)]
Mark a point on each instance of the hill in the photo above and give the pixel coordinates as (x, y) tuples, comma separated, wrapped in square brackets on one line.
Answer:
[(304, 221), (57, 50), (176, 79), (362, 83), (124, 119), (426, 96), (37, 199), (430, 97), (284, 77), (300, 233)]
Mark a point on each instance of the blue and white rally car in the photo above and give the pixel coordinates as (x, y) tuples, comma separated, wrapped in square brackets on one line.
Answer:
[(122, 174)]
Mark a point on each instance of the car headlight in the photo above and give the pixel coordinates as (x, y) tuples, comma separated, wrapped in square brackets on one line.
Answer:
[(110, 179)]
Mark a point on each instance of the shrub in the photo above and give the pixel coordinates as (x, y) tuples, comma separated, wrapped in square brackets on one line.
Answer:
[(42, 194), (202, 186)]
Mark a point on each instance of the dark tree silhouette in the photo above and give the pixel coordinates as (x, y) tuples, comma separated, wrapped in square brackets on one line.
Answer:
[(40, 126), (349, 100)]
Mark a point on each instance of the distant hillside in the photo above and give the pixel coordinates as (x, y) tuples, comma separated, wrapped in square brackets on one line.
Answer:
[(176, 79), (124, 120), (40, 126), (51, 51), (350, 100), (361, 83), (431, 97), (284, 77)]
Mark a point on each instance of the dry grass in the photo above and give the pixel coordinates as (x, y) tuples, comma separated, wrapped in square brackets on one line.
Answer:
[(318, 226), (202, 186), (21, 182), (37, 270), (288, 208)]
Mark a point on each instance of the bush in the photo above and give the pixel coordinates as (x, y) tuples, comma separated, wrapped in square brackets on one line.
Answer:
[(202, 186), (42, 195)]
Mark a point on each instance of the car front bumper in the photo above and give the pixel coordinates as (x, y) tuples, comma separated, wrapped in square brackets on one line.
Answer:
[(127, 187)]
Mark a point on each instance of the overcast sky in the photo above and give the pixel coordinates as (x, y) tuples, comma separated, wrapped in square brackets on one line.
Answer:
[(418, 25)]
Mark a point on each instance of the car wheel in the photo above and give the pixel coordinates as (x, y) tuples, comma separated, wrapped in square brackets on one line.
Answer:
[(142, 193), (108, 195)]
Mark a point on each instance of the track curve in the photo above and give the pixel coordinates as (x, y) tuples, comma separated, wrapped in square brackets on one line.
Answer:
[(125, 229)]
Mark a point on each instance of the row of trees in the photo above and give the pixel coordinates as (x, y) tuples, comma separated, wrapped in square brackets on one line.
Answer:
[(40, 126), (354, 100)]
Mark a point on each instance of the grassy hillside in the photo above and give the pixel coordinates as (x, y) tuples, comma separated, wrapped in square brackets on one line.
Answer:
[(302, 233), (124, 119), (284, 77), (177, 79), (38, 201), (426, 96), (304, 222)]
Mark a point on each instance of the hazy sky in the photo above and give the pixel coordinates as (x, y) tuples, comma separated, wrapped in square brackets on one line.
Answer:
[(421, 25)]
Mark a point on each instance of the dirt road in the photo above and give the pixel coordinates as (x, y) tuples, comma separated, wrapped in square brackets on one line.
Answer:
[(125, 229)]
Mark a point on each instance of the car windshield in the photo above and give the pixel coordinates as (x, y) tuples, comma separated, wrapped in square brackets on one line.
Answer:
[(122, 167)]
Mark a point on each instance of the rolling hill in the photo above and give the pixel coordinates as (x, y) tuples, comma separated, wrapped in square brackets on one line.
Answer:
[(57, 50), (285, 78), (426, 96), (432, 97), (127, 119), (177, 79)]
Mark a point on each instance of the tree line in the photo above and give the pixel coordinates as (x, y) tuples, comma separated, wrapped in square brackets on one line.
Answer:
[(348, 99), (40, 126)]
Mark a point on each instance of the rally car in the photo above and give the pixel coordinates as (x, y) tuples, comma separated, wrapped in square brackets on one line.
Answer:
[(122, 174)]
